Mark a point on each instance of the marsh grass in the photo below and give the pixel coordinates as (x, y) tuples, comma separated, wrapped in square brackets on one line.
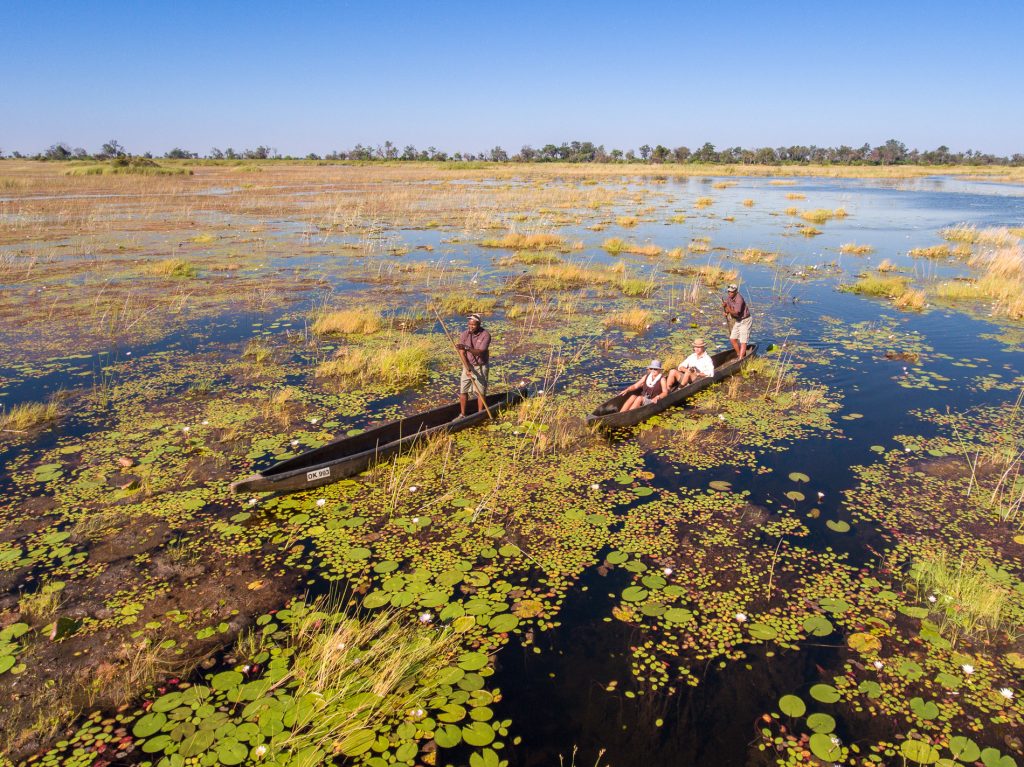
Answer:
[(404, 364), (971, 595), (885, 266), (999, 237), (1001, 281), (360, 670), (748, 203), (41, 605), (874, 285), (678, 218), (627, 222), (126, 166), (635, 319), (711, 275), (173, 267), (796, 196), (278, 407), (29, 415), (527, 242), (699, 245), (935, 251), (531, 258), (363, 321), (854, 249), (911, 300), (703, 202), (616, 245), (465, 303), (756, 256), (258, 351)]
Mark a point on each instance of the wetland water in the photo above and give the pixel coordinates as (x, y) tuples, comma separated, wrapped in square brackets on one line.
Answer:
[(659, 596)]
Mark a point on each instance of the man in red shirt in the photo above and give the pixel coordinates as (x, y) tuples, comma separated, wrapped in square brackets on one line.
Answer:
[(738, 314), (474, 343)]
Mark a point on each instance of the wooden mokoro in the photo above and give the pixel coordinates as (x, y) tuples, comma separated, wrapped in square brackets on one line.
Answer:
[(607, 415), (350, 455)]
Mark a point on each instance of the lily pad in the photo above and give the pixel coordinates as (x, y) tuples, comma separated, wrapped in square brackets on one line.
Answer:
[(792, 705), (819, 722), (920, 752), (864, 643), (825, 693), (838, 525), (826, 749)]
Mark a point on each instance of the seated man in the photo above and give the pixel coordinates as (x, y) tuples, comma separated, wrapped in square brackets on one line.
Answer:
[(697, 365), (649, 389)]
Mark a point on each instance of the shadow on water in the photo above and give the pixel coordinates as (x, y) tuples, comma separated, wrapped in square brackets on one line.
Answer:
[(561, 701)]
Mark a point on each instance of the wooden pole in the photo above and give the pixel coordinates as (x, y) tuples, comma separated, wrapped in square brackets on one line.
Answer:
[(465, 364)]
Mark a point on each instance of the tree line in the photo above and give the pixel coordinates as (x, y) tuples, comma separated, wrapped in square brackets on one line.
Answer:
[(892, 152)]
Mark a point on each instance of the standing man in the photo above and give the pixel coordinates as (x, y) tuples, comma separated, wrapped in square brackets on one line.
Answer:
[(473, 346), (738, 314)]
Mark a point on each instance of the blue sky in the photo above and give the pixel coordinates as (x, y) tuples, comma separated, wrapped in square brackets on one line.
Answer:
[(316, 76)]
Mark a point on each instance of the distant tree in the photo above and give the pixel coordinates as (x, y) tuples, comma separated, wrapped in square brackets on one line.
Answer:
[(681, 153), (527, 153), (148, 155), (661, 154), (112, 148), (216, 154), (390, 151), (498, 155), (230, 154), (645, 152), (59, 151), (312, 156), (630, 155), (409, 153), (706, 153), (79, 153), (259, 153), (179, 154), (892, 152), (765, 156)]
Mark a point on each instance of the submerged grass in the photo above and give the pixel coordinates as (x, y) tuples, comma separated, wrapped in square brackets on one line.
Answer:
[(616, 245), (635, 319), (465, 303), (527, 242), (821, 215), (853, 248), (173, 267), (400, 366), (28, 415), (873, 285)]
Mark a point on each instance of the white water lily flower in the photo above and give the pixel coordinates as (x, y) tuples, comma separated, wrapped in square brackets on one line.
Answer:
[(252, 501), (206, 423), (595, 486), (295, 443), (667, 571), (426, 617), (246, 668), (186, 429), (931, 598), (321, 501), (968, 669), (820, 495), (415, 520), (414, 488), (1007, 693), (741, 617), (259, 751), (878, 664), (314, 420), (721, 416)]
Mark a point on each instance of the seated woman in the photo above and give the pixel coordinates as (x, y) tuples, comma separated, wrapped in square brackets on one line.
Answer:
[(697, 365), (650, 388)]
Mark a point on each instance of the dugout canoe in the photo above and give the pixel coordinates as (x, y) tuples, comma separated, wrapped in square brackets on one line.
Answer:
[(350, 455), (607, 415)]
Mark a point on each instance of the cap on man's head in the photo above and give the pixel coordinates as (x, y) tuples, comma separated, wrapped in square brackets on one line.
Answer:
[(699, 342), (655, 365), (732, 288), (473, 318)]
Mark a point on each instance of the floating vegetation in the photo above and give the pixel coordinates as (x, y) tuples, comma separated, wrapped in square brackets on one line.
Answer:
[(173, 267), (871, 285), (29, 415), (393, 366), (527, 242), (637, 320), (616, 245), (363, 321), (822, 215), (854, 249)]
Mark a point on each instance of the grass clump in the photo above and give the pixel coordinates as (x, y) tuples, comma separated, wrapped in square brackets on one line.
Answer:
[(177, 268), (969, 234), (821, 215), (362, 321), (703, 202), (396, 367), (885, 266), (616, 245), (756, 256), (873, 285), (854, 249), (970, 595), (627, 221), (635, 319), (532, 258), (911, 300), (121, 166), (678, 218), (41, 605), (748, 203), (527, 242), (809, 231), (28, 415), (465, 303), (710, 274), (796, 196), (936, 251)]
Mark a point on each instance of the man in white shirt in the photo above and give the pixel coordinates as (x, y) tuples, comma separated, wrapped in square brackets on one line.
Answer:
[(697, 365)]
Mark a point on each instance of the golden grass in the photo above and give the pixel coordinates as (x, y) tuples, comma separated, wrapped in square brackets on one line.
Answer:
[(1001, 281), (531, 258), (173, 267), (808, 231), (616, 245), (710, 274), (527, 242), (723, 184), (395, 367), (796, 196), (855, 249), (792, 211), (749, 203), (635, 319), (258, 350), (356, 320), (29, 415), (41, 605), (968, 233), (873, 285), (911, 300), (703, 202), (756, 256), (821, 215), (699, 245), (935, 251), (627, 221), (678, 218), (885, 265)]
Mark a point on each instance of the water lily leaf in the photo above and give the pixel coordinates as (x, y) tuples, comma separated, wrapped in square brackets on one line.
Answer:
[(964, 749), (230, 752), (823, 747), (463, 623), (914, 612), (991, 757), (149, 724), (472, 661), (1015, 659), (818, 625), (910, 670), (919, 751), (406, 752), (926, 710), (226, 680), (358, 742), (478, 734), (452, 712), (448, 736), (838, 525), (949, 681), (678, 615), (834, 606), (488, 757), (634, 594), (720, 485), (387, 566), (376, 599), (791, 705), (616, 557), (870, 688), (821, 723), (799, 476), (864, 643), (762, 631), (503, 623), (825, 693), (643, 492), (624, 479), (528, 608)]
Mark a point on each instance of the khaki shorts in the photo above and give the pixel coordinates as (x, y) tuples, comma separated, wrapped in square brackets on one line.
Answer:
[(466, 383), (740, 330)]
